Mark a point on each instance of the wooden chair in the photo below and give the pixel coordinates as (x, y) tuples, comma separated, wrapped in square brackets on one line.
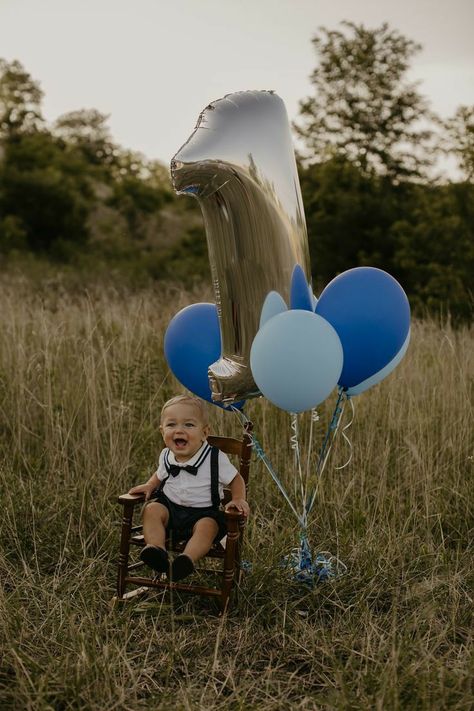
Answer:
[(229, 553)]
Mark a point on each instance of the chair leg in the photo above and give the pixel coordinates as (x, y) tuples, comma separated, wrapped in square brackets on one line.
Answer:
[(231, 549), (238, 555), (124, 549)]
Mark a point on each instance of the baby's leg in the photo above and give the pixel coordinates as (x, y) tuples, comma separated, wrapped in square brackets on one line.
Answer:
[(155, 518), (204, 532)]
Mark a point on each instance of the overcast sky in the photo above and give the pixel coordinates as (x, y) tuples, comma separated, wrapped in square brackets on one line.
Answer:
[(153, 65)]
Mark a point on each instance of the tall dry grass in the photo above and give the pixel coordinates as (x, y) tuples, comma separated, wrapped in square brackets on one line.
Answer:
[(82, 377)]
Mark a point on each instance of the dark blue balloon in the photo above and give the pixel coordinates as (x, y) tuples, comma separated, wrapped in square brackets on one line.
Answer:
[(300, 297), (192, 343), (370, 312)]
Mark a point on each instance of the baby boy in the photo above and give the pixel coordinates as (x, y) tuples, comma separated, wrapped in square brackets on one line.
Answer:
[(182, 501)]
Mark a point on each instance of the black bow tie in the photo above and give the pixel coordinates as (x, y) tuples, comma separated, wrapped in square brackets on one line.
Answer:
[(174, 469)]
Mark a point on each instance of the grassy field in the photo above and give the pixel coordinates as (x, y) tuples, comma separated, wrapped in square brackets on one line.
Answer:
[(82, 378)]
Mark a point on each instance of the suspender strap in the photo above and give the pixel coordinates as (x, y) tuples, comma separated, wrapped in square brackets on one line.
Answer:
[(215, 478), (162, 483), (216, 501)]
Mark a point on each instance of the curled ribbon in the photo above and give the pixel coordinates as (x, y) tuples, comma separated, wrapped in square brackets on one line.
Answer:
[(311, 570)]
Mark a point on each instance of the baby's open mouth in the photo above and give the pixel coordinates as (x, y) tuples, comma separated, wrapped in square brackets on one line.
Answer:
[(180, 442)]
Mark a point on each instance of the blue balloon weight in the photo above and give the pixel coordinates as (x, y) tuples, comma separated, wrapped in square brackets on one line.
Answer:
[(300, 292), (296, 360), (371, 314), (274, 304), (192, 343)]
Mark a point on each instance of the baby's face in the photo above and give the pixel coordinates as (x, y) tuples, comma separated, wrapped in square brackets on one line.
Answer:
[(183, 430)]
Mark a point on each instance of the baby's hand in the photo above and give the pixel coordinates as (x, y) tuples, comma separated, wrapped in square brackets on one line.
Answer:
[(241, 505), (146, 489)]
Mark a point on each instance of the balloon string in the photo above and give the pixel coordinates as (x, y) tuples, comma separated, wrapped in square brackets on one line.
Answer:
[(261, 454), (343, 432), (314, 418), (330, 434), (295, 446), (308, 500), (325, 449), (334, 427)]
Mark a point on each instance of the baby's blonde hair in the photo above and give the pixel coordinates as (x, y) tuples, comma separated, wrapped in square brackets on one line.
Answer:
[(201, 405)]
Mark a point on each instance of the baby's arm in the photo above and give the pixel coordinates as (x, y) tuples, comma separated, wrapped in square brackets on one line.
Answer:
[(148, 488), (237, 489)]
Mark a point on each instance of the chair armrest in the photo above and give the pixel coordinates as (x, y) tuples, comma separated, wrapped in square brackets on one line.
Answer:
[(131, 498), (234, 515)]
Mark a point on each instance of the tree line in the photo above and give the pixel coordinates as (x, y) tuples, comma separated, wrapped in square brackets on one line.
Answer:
[(369, 151), (370, 176)]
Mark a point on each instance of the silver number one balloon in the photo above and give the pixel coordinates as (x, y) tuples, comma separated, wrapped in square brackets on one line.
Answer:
[(239, 163)]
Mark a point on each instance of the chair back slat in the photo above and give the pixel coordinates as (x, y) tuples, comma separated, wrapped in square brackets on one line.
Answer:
[(240, 447), (229, 445)]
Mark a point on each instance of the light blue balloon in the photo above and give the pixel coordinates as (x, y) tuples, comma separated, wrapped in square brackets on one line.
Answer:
[(296, 360), (274, 304), (377, 377)]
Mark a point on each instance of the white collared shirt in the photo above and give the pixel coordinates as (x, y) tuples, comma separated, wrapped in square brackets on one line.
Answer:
[(194, 490)]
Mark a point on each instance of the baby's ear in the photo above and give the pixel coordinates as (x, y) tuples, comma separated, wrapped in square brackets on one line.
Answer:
[(207, 431)]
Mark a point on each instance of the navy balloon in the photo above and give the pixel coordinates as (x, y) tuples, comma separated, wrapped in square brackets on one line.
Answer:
[(300, 295), (370, 312), (192, 343)]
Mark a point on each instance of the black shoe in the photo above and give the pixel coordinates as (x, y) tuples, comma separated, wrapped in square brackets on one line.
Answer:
[(181, 567), (156, 558)]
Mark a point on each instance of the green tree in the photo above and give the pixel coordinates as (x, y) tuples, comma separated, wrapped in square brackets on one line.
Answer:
[(87, 130), (348, 215), (434, 248), (135, 199), (363, 107), (186, 262), (45, 195), (138, 190), (460, 139), (20, 100)]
